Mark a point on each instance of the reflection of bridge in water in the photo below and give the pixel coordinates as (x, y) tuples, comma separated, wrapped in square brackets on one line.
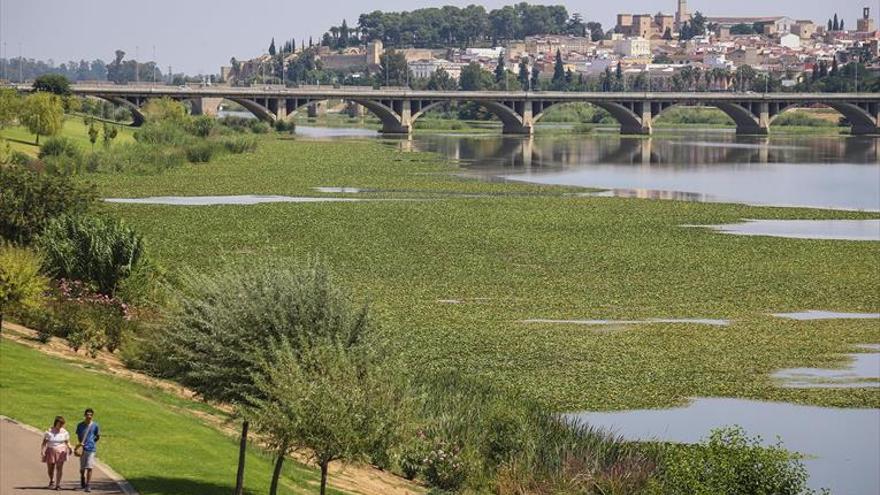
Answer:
[(560, 152), (399, 109)]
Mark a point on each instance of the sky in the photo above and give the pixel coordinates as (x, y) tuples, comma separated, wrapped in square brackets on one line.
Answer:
[(198, 36)]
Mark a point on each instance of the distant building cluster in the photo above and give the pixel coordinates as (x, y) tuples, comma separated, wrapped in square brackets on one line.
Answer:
[(659, 45)]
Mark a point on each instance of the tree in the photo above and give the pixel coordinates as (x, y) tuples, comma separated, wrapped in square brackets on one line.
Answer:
[(524, 73), (158, 109), (667, 34), (834, 67), (223, 323), (835, 26), (109, 132), (53, 83), (698, 24), (441, 81), (394, 70), (596, 32), (841, 26), (93, 134), (500, 70), (10, 106), (472, 77), (559, 71), (272, 48), (21, 283), (42, 114), (536, 78), (742, 28), (321, 396)]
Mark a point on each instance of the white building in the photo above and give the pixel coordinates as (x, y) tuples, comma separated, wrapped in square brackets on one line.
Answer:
[(633, 47), (792, 41), (424, 69)]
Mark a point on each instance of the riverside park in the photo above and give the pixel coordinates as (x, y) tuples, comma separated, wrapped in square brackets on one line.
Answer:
[(374, 282)]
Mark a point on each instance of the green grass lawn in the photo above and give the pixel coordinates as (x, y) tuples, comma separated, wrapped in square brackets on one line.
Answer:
[(152, 438), (74, 128), (523, 251)]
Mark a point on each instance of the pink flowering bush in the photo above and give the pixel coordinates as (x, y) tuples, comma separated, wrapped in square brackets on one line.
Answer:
[(443, 466)]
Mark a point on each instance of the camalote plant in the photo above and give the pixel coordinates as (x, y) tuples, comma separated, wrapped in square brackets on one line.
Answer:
[(97, 250)]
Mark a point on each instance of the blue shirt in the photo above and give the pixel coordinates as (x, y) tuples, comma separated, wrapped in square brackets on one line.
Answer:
[(89, 441)]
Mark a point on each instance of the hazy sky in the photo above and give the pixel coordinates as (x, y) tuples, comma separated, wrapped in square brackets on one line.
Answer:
[(201, 35)]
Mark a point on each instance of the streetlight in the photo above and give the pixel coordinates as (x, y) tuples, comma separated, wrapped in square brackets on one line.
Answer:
[(20, 80)]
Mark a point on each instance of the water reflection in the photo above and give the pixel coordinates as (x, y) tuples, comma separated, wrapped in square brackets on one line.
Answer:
[(821, 172), (847, 230)]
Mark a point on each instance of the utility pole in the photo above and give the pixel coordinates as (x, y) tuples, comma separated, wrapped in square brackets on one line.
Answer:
[(137, 71), (154, 65), (20, 80)]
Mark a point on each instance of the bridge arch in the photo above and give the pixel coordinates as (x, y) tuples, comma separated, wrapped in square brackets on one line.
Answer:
[(859, 118), (392, 121), (137, 115), (512, 120), (255, 108)]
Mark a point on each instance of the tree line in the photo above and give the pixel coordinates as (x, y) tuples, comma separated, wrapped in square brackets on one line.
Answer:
[(447, 26)]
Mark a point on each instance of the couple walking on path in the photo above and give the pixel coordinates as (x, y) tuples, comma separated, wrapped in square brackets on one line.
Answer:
[(55, 450)]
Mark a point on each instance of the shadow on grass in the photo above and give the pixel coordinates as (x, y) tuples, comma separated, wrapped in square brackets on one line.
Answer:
[(180, 486)]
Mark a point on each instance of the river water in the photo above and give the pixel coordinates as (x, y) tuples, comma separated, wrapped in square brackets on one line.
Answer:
[(842, 445)]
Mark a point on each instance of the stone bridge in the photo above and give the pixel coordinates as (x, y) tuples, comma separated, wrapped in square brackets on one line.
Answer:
[(399, 109)]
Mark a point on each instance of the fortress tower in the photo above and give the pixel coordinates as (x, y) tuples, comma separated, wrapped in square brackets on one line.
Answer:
[(681, 15)]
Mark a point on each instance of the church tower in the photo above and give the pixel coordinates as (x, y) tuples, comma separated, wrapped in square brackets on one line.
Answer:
[(681, 15)]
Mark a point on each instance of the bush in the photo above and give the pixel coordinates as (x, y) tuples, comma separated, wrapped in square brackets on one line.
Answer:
[(166, 133), (258, 126), (138, 158), (285, 126), (240, 144), (29, 200), (731, 462), (694, 115), (201, 126), (97, 250), (60, 146), (802, 119), (21, 284), (200, 152), (239, 124)]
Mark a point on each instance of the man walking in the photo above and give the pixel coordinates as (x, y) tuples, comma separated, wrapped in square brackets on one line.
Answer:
[(88, 434)]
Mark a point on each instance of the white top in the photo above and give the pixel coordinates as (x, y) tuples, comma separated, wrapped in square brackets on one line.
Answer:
[(55, 440)]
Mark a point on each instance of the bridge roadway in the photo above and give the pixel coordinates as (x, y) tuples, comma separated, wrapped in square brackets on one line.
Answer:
[(399, 108)]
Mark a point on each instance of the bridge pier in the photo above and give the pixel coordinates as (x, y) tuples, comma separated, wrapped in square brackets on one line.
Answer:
[(205, 106)]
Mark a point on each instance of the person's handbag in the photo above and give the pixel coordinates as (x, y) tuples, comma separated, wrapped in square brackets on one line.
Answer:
[(80, 448)]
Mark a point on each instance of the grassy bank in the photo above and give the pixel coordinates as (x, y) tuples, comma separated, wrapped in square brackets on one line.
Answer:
[(154, 439), (452, 276), (74, 128)]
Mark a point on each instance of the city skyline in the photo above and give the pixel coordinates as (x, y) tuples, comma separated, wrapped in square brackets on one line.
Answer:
[(196, 35)]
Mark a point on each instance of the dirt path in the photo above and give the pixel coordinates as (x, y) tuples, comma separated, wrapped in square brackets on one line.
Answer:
[(360, 479), (21, 471)]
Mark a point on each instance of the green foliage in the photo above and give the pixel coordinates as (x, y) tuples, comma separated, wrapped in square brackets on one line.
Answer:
[(53, 83), (475, 78), (97, 250), (29, 200), (42, 114), (200, 152), (10, 106), (163, 132), (159, 109), (60, 146), (394, 70), (201, 126), (730, 462), (284, 301), (22, 286), (239, 144), (803, 119), (694, 115)]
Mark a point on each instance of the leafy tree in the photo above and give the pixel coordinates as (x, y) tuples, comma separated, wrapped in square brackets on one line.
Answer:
[(53, 83), (223, 323), (536, 78), (109, 133), (10, 106), (323, 396), (42, 114), (29, 200), (21, 283), (394, 70), (473, 78), (596, 32), (442, 81), (97, 250), (742, 29), (93, 134), (698, 24)]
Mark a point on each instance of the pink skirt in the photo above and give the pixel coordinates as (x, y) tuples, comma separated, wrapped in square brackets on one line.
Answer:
[(55, 456)]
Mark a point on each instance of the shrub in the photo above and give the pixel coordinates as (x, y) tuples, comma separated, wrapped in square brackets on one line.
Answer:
[(29, 200), (159, 109), (443, 466), (285, 126), (258, 126), (240, 144), (63, 165), (20, 158), (239, 124), (731, 462), (166, 133), (201, 126), (200, 152), (21, 284), (691, 115), (138, 158), (802, 119), (97, 250)]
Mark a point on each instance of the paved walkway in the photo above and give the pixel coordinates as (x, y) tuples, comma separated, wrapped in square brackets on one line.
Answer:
[(21, 471)]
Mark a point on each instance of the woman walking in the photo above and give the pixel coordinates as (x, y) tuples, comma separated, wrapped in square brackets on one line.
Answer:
[(54, 450)]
